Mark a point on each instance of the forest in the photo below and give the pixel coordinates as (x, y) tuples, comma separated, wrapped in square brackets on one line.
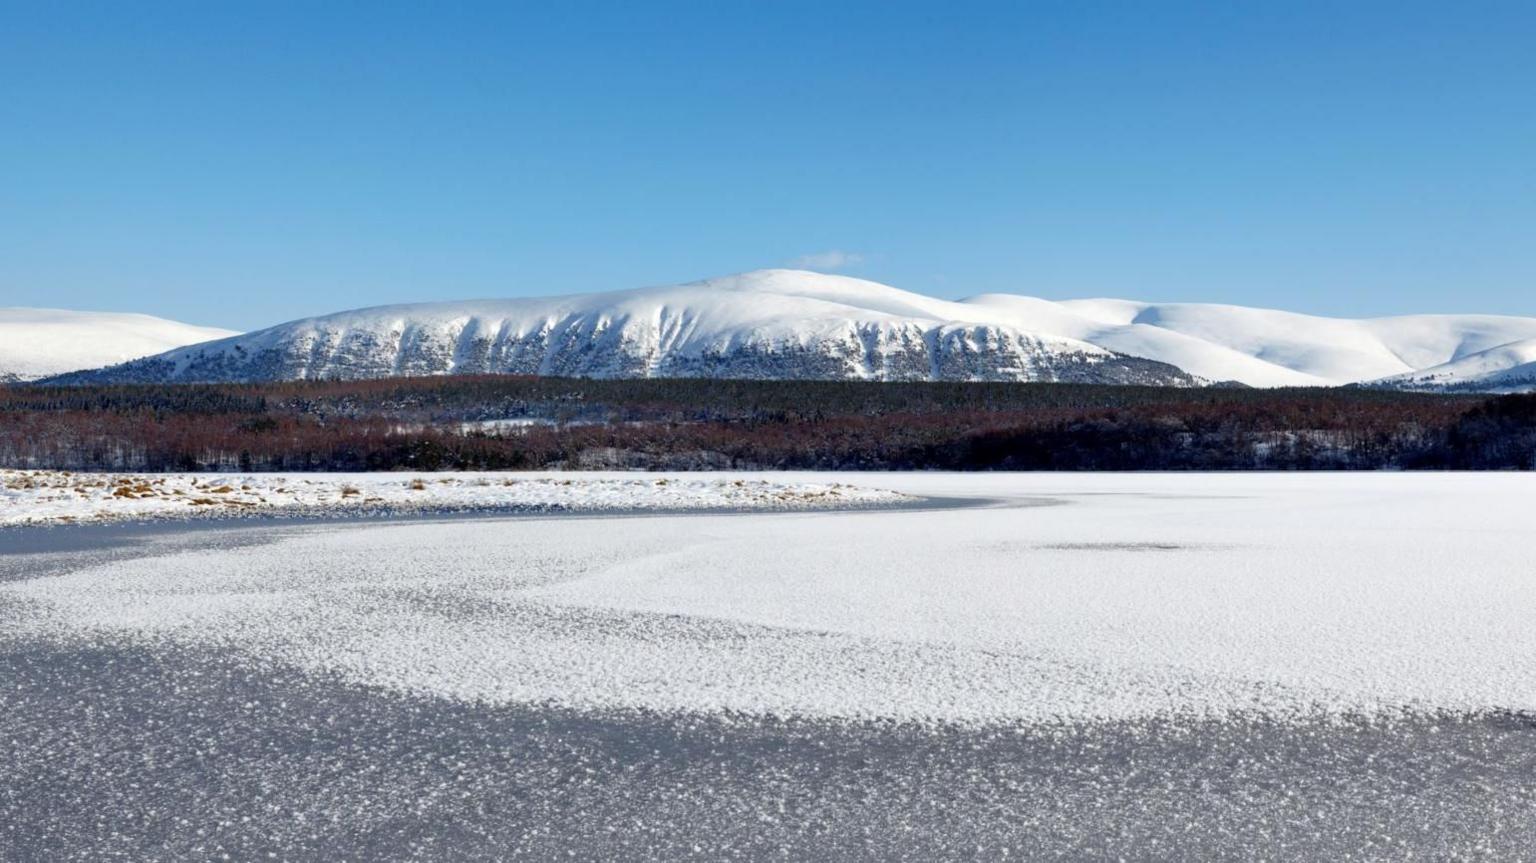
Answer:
[(521, 423)]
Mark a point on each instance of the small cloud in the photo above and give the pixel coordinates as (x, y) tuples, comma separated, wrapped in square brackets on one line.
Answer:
[(830, 261)]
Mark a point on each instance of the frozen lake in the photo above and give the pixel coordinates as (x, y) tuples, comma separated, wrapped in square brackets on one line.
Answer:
[(1140, 665)]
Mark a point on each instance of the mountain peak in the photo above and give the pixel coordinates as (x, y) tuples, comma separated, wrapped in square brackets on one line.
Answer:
[(786, 323)]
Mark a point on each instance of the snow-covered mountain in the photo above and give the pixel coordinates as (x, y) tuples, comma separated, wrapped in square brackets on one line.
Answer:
[(1507, 368), (1265, 347), (37, 343), (765, 324), (795, 324)]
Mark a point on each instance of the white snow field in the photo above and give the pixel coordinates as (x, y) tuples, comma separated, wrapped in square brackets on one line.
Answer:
[(36, 343), (60, 497), (1075, 599)]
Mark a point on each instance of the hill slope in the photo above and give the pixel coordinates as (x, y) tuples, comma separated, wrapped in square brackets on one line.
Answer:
[(1506, 368), (1265, 347), (37, 343)]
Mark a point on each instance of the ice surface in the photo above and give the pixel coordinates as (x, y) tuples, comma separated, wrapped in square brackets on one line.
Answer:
[(1129, 597)]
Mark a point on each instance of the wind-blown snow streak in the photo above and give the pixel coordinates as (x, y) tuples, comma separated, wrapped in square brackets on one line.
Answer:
[(36, 343)]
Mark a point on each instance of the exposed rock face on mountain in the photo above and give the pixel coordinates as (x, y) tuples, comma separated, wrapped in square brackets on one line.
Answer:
[(770, 324)]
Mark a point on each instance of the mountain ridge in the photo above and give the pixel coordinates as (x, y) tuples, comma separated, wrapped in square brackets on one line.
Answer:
[(765, 324), (798, 324)]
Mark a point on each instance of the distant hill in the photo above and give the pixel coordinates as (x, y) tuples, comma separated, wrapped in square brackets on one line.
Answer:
[(37, 343)]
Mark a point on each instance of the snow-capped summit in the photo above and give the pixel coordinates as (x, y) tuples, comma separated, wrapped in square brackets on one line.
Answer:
[(764, 324), (797, 324), (36, 343)]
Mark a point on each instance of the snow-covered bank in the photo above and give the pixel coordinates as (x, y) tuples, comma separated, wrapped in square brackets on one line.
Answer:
[(61, 497)]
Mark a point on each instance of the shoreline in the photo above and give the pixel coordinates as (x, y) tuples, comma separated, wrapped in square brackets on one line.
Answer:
[(31, 499), (104, 534)]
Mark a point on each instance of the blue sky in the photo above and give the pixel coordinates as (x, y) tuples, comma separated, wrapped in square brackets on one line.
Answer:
[(242, 165)]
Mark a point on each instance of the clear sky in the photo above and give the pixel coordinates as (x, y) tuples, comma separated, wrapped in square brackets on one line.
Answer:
[(242, 165)]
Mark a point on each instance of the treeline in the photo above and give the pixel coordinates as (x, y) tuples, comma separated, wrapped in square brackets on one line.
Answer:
[(498, 396), (500, 422)]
